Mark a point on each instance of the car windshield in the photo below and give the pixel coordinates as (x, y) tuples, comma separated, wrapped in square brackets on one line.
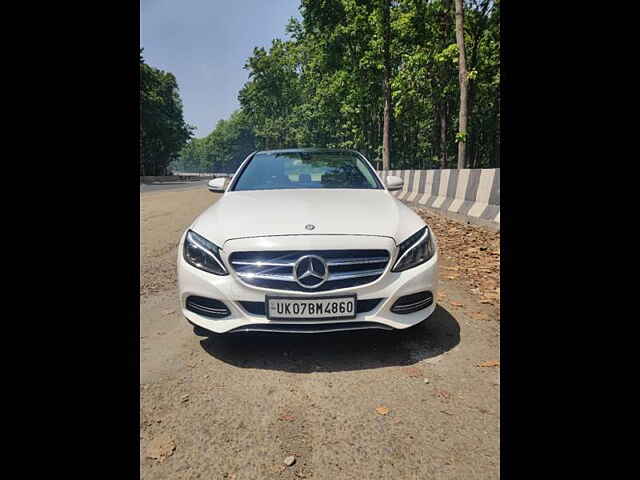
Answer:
[(276, 171)]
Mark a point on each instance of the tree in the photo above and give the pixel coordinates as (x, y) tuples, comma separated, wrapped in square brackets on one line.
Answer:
[(223, 149), (346, 63), (461, 136), (163, 131), (386, 135)]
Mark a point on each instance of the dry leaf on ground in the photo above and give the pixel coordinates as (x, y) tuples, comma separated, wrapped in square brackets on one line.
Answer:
[(490, 363), (471, 251), (382, 410)]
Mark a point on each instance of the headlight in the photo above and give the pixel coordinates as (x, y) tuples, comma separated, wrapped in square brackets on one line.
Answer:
[(415, 250), (202, 254)]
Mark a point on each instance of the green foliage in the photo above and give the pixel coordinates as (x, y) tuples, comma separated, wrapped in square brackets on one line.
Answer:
[(322, 86), (163, 131), (222, 150)]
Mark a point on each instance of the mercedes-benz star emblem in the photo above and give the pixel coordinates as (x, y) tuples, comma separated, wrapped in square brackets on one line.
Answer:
[(309, 227), (310, 271)]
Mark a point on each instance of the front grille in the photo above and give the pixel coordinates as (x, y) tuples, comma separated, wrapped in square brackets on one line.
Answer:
[(207, 307), (362, 306), (275, 269)]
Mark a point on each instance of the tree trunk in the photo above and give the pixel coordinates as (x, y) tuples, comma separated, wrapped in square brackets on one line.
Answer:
[(443, 135), (497, 137), (462, 77), (386, 85)]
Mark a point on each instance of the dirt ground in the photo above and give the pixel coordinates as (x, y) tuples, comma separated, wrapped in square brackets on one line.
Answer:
[(421, 403)]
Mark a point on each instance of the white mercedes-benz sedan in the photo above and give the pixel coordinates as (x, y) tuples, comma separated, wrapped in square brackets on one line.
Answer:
[(306, 241)]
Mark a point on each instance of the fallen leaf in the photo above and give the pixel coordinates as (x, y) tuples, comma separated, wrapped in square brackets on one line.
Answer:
[(457, 304), (490, 363), (382, 410), (286, 418)]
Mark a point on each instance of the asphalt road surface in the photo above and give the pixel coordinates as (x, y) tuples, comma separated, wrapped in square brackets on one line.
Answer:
[(350, 405)]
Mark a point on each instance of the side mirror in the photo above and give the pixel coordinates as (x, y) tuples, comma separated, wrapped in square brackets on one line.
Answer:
[(217, 185), (394, 183)]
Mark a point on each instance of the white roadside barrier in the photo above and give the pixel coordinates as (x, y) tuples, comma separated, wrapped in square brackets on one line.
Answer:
[(468, 194)]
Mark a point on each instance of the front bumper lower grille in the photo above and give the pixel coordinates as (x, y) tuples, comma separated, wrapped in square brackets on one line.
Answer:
[(412, 303), (207, 307), (276, 269)]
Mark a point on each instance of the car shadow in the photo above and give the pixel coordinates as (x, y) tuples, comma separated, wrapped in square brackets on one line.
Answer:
[(338, 351)]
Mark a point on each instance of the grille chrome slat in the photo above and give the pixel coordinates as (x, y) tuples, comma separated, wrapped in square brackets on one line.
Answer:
[(266, 276), (265, 264), (363, 273), (356, 261), (344, 268)]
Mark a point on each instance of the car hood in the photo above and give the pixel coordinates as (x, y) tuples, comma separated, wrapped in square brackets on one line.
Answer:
[(261, 213)]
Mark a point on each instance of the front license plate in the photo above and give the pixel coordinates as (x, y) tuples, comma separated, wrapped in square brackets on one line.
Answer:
[(290, 308)]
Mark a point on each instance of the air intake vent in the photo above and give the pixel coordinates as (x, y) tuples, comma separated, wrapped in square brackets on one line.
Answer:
[(309, 271), (412, 303), (207, 307)]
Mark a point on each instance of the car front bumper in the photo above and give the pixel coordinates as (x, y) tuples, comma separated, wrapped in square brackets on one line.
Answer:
[(231, 291)]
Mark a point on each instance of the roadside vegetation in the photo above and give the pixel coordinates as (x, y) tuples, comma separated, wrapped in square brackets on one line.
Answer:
[(387, 78), (163, 131)]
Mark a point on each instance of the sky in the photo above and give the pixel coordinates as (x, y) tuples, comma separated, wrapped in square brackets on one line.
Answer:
[(205, 44)]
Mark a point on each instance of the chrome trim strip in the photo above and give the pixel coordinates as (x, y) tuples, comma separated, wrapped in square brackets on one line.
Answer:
[(265, 264), (347, 275), (355, 261), (220, 312), (333, 276), (409, 305), (207, 309), (266, 276)]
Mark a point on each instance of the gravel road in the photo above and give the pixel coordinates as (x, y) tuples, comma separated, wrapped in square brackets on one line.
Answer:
[(350, 405)]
